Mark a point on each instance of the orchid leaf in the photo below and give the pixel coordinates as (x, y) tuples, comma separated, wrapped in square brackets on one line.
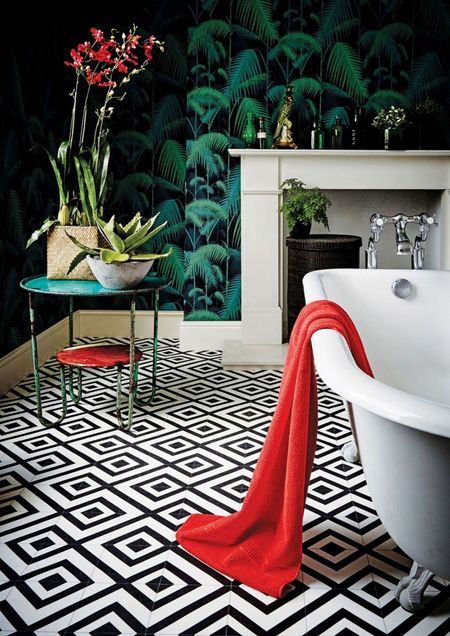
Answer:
[(81, 186), (62, 155), (90, 188), (48, 223), (58, 178), (103, 187)]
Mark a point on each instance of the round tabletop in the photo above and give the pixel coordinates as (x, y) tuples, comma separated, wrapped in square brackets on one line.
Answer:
[(42, 285)]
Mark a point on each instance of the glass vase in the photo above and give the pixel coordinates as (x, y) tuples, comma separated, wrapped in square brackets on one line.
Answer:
[(249, 134)]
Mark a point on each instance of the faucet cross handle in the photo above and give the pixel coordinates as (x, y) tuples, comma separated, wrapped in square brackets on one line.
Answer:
[(425, 223), (376, 226)]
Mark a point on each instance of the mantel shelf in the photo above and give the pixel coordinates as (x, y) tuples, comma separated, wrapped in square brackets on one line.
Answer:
[(404, 154), (345, 169)]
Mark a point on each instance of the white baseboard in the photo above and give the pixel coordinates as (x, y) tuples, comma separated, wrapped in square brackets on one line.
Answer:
[(86, 323), (116, 323), (19, 363), (199, 335)]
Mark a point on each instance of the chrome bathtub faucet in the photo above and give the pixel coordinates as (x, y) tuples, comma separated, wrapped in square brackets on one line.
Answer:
[(404, 245)]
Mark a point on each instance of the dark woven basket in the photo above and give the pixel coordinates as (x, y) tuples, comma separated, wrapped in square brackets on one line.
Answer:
[(318, 251)]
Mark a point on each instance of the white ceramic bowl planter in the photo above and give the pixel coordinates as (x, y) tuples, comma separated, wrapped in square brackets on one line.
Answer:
[(125, 275)]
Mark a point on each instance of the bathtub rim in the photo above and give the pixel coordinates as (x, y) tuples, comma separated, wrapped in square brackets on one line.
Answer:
[(338, 370)]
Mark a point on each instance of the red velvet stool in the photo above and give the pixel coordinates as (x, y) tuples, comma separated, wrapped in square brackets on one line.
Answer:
[(100, 356), (95, 355)]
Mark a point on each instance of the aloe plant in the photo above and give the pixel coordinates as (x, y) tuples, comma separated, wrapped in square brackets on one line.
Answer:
[(124, 241)]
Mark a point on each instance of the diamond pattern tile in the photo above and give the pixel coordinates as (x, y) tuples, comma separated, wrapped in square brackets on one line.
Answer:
[(88, 515)]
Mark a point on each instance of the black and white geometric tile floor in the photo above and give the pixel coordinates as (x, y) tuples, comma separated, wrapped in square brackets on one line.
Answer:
[(89, 514)]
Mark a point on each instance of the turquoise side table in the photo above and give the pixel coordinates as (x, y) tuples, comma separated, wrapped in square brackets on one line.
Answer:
[(152, 284)]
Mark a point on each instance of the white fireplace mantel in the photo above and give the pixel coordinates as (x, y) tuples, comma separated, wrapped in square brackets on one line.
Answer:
[(262, 232)]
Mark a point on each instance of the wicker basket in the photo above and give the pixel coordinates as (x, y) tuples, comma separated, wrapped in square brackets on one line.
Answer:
[(318, 251), (61, 251)]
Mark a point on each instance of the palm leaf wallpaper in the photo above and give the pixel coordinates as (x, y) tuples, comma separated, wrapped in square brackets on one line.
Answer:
[(170, 144)]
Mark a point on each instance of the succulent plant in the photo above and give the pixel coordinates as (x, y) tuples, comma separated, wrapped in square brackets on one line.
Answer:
[(123, 241)]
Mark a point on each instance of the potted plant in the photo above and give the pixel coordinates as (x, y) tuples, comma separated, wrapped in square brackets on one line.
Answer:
[(122, 263), (81, 165), (391, 121), (301, 206)]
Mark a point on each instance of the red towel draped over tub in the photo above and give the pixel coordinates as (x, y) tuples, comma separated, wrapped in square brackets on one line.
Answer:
[(261, 545)]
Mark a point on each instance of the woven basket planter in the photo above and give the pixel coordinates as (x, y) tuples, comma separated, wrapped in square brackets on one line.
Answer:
[(318, 251), (61, 251)]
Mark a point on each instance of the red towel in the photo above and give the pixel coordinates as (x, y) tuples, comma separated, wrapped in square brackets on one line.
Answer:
[(261, 545)]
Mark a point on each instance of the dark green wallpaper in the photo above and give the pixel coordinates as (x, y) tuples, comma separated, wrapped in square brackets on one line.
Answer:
[(337, 55), (170, 142)]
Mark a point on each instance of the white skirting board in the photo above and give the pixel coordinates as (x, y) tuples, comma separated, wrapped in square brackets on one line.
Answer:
[(87, 323), (200, 335), (116, 323), (18, 363)]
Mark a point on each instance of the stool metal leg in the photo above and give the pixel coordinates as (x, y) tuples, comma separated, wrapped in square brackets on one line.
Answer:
[(34, 350)]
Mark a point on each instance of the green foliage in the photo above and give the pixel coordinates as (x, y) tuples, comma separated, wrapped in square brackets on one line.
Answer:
[(206, 151), (344, 69), (292, 44), (434, 17), (246, 75), (172, 162), (385, 42), (203, 39), (202, 315), (337, 18), (385, 98), (173, 267), (204, 99), (231, 309), (302, 205), (256, 15), (427, 76)]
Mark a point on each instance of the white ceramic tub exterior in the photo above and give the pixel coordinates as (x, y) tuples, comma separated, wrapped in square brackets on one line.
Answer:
[(401, 418)]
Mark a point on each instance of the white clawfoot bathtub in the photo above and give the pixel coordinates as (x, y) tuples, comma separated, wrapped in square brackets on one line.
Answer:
[(401, 419)]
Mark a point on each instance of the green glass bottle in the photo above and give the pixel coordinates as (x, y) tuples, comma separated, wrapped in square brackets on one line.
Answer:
[(337, 134), (317, 136), (249, 134)]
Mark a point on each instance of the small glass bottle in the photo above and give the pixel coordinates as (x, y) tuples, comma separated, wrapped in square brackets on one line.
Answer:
[(358, 139), (249, 134), (317, 136), (337, 134), (261, 134)]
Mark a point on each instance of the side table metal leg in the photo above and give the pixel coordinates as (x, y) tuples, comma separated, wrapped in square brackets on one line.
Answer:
[(149, 400), (132, 385), (37, 384), (75, 397)]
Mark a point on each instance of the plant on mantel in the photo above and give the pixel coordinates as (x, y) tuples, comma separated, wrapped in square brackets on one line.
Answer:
[(80, 167)]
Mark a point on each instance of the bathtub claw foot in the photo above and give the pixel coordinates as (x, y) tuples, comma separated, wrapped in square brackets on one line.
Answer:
[(350, 453), (410, 590)]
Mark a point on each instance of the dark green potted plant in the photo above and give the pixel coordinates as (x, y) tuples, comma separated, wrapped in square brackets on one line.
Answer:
[(301, 206)]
